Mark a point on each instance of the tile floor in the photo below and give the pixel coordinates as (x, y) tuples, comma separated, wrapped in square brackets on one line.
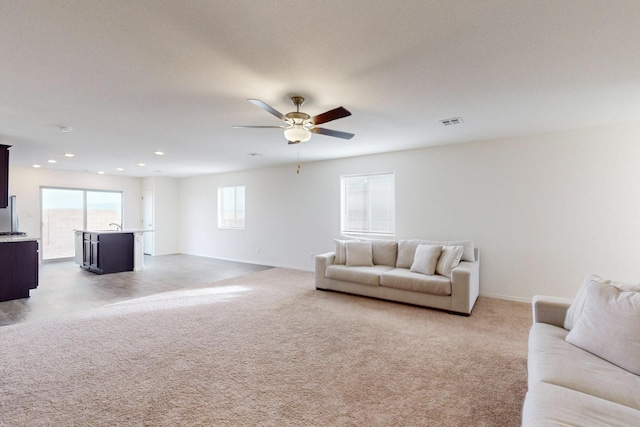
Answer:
[(64, 287)]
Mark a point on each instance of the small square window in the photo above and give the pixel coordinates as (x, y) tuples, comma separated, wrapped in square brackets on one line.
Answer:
[(231, 206)]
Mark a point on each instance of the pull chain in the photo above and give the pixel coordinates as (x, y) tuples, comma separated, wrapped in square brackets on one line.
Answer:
[(298, 170)]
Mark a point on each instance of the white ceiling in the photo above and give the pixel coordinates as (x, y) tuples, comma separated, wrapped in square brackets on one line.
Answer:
[(133, 77)]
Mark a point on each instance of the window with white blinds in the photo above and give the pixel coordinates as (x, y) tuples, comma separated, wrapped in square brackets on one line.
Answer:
[(367, 203), (231, 207)]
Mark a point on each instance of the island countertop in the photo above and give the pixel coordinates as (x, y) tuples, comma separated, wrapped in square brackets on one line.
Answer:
[(125, 231)]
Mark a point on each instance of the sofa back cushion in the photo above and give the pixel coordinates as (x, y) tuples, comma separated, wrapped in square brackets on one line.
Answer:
[(407, 252), (359, 254), (385, 252), (468, 253)]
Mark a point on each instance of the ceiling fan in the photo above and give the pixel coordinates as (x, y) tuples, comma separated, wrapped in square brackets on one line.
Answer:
[(299, 126)]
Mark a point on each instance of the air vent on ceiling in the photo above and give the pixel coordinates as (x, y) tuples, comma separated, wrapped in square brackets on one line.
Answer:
[(451, 121)]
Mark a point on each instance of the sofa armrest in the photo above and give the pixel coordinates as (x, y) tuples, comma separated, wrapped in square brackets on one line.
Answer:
[(465, 285), (322, 262), (551, 310)]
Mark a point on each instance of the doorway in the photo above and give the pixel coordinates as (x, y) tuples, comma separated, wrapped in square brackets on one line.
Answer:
[(147, 219)]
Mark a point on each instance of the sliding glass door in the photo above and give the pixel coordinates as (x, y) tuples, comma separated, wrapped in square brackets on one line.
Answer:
[(64, 210), (104, 209)]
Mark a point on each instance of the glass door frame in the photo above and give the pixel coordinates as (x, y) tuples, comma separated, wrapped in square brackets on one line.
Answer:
[(85, 215)]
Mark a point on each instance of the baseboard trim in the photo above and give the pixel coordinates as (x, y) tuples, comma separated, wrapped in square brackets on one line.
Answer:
[(505, 297)]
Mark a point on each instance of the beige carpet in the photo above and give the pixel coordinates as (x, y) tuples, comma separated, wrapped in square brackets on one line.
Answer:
[(266, 349)]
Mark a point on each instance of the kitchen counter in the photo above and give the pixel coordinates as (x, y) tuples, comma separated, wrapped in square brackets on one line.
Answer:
[(9, 239)]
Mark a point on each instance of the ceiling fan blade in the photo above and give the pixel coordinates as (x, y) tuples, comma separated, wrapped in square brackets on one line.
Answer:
[(330, 132), (336, 113), (259, 127), (268, 109)]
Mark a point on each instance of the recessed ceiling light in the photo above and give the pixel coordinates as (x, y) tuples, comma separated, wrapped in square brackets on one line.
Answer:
[(69, 155), (37, 166), (141, 164), (52, 161), (159, 153), (101, 172), (119, 169), (66, 129)]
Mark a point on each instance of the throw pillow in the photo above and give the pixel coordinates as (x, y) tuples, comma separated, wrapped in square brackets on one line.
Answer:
[(449, 259), (359, 254), (609, 326), (577, 305), (340, 252), (426, 259)]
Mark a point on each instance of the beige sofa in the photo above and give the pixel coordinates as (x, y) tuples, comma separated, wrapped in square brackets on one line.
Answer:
[(569, 385), (407, 271)]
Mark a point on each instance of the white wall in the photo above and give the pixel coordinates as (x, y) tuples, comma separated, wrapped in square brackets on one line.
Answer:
[(544, 210), (25, 183), (166, 211)]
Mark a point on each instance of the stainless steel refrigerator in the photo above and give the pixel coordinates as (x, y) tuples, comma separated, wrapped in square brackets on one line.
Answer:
[(9, 217)]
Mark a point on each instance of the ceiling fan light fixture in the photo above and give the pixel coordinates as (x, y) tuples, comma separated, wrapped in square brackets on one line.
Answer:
[(297, 134), (299, 125)]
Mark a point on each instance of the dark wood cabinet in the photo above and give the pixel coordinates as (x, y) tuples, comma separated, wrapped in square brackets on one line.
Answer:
[(18, 269), (4, 176), (107, 253), (86, 250)]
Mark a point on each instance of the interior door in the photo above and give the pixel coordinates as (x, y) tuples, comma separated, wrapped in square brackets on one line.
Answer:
[(147, 219)]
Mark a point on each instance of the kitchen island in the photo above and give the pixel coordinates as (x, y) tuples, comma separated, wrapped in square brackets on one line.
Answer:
[(110, 251), (18, 266)]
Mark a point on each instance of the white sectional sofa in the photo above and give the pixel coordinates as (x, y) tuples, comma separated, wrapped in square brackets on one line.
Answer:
[(436, 274), (584, 358)]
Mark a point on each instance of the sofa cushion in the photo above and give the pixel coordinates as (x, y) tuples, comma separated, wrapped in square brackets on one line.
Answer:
[(575, 309), (363, 275), (407, 252), (609, 326), (400, 278), (548, 404), (449, 259), (555, 361), (359, 254), (426, 259), (385, 252)]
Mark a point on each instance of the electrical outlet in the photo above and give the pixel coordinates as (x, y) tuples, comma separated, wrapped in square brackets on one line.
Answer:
[(257, 250)]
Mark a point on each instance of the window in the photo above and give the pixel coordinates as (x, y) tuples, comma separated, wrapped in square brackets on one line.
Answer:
[(231, 207), (367, 203)]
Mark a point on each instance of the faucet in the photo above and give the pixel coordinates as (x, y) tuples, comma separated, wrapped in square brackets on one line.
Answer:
[(117, 225)]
